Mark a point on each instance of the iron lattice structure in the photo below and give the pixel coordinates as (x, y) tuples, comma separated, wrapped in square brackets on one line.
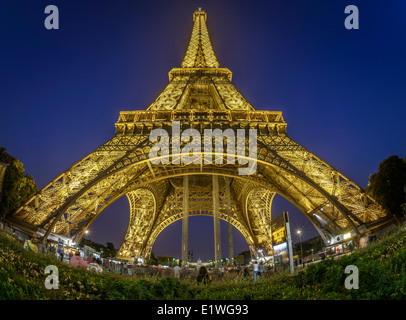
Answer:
[(199, 95)]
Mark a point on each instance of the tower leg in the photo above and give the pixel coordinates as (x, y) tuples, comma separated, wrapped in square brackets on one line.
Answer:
[(216, 215), (185, 221), (230, 245), (230, 226)]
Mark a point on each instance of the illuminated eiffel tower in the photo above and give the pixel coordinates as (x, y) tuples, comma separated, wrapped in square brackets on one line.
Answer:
[(199, 96)]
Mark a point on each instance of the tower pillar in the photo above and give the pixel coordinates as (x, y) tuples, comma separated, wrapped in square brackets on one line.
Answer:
[(216, 218), (230, 226), (185, 221)]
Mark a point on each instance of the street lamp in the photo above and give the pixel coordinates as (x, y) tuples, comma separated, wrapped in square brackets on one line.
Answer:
[(299, 233), (87, 234)]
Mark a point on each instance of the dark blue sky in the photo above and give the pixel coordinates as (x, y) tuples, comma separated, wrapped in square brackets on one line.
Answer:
[(342, 92)]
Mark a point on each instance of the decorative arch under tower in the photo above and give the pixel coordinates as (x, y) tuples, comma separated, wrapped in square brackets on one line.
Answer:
[(199, 95)]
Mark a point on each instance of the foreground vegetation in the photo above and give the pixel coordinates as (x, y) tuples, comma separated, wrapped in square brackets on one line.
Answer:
[(381, 266)]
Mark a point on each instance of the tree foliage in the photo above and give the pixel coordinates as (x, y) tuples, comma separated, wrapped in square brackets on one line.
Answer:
[(315, 243), (110, 250), (18, 187), (152, 260), (388, 185)]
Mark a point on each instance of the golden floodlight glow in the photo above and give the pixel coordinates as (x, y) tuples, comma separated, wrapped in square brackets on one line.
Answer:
[(347, 236), (200, 95)]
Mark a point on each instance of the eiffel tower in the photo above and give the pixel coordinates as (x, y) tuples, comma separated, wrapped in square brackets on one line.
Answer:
[(200, 95)]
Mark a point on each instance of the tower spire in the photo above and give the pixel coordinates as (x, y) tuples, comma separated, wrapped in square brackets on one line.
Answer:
[(200, 83), (200, 53)]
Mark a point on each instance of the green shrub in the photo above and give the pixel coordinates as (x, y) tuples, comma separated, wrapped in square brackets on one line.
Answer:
[(382, 275)]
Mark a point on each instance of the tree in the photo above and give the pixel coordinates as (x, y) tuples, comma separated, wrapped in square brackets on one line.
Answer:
[(388, 185), (18, 187), (152, 260), (309, 246), (404, 204), (110, 250)]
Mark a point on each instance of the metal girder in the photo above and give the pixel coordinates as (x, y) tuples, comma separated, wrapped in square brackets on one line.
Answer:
[(200, 96)]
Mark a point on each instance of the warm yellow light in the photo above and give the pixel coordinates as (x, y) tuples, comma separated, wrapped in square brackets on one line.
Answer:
[(347, 236)]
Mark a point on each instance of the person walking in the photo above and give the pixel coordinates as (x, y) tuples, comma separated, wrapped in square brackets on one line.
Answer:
[(261, 268), (176, 271), (70, 254), (256, 270), (60, 251), (246, 273), (42, 248)]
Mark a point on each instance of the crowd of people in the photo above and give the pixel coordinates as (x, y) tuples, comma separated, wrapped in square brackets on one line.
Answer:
[(202, 274), (69, 255)]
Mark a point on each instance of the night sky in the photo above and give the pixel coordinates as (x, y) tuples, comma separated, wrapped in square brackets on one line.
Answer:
[(342, 92)]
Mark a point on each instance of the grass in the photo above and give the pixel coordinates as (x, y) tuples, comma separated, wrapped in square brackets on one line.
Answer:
[(381, 266)]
